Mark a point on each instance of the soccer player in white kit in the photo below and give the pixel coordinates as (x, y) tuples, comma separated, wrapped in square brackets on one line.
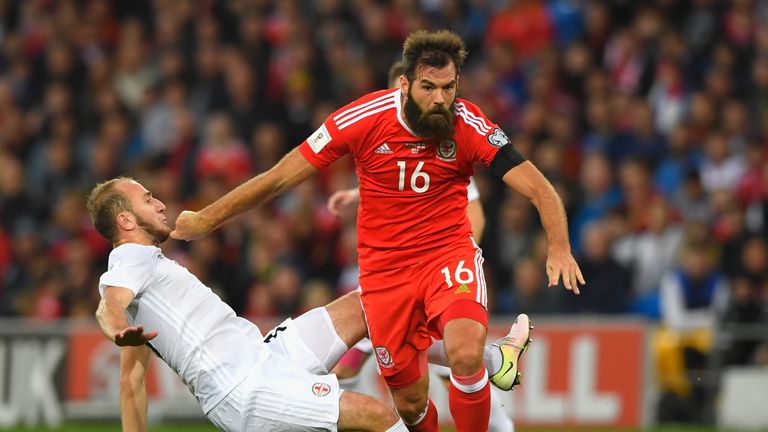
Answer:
[(240, 382)]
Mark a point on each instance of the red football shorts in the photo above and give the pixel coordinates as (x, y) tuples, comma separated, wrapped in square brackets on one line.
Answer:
[(402, 306)]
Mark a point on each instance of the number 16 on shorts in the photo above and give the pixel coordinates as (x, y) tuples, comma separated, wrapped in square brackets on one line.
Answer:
[(460, 276)]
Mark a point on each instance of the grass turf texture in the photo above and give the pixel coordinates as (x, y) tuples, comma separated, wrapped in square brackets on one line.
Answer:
[(203, 427)]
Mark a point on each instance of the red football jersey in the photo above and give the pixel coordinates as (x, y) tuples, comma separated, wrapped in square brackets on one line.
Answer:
[(413, 195)]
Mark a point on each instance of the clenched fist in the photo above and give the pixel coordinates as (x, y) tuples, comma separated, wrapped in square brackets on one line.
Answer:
[(191, 225)]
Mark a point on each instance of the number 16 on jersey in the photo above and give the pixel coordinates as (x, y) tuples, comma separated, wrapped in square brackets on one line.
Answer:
[(417, 176)]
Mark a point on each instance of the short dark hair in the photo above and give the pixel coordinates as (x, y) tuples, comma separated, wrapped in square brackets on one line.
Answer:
[(104, 204), (435, 49), (394, 72)]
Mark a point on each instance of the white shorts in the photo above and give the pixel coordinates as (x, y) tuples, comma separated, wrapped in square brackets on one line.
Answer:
[(279, 395), (286, 340)]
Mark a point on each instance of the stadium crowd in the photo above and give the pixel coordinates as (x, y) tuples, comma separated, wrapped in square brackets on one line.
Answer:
[(649, 117)]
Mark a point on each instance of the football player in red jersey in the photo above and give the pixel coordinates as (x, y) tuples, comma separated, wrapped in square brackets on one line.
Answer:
[(414, 149), (348, 368)]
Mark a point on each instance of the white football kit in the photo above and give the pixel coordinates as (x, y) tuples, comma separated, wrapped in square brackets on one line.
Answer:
[(240, 382)]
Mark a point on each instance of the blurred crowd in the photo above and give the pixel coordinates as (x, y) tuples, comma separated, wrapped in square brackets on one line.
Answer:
[(648, 117)]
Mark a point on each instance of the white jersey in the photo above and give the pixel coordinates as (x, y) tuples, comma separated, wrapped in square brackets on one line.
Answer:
[(199, 336)]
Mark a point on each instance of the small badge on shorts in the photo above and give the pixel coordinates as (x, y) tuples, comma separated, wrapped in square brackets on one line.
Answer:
[(385, 359), (321, 389)]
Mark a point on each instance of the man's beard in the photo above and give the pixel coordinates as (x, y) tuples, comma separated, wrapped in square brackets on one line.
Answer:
[(435, 124), (158, 233)]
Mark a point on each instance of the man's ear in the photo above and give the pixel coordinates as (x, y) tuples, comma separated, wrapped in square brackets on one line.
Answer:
[(126, 220), (404, 85)]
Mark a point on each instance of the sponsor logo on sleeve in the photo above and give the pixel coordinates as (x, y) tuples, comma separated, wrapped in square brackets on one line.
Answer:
[(498, 138), (319, 139)]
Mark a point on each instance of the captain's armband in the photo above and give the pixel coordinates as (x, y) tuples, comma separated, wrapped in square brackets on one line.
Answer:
[(506, 159)]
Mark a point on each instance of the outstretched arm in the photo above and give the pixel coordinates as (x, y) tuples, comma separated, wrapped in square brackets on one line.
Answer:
[(111, 318), (134, 355), (527, 180), (134, 361), (290, 171)]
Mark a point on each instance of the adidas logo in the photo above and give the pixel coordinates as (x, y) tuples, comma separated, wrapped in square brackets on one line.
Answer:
[(462, 289), (383, 149)]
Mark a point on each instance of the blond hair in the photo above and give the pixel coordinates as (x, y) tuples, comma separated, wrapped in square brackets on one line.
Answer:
[(104, 204)]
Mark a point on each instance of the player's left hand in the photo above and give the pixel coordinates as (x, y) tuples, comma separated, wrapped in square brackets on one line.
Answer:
[(563, 264), (133, 336)]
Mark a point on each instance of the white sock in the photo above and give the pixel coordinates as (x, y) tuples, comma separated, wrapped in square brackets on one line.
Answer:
[(398, 427), (491, 356), (499, 420), (317, 332)]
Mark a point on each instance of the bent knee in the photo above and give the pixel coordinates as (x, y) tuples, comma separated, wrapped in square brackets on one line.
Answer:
[(383, 411), (410, 409), (465, 360), (365, 413)]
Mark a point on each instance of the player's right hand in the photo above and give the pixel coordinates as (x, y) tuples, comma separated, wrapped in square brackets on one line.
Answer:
[(133, 336), (191, 225), (343, 201)]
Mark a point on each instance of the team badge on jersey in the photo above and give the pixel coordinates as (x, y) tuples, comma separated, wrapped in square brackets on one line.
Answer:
[(385, 359), (446, 150), (498, 138), (321, 389)]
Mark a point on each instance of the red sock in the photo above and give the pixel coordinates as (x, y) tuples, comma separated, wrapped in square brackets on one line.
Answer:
[(470, 401), (428, 423)]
